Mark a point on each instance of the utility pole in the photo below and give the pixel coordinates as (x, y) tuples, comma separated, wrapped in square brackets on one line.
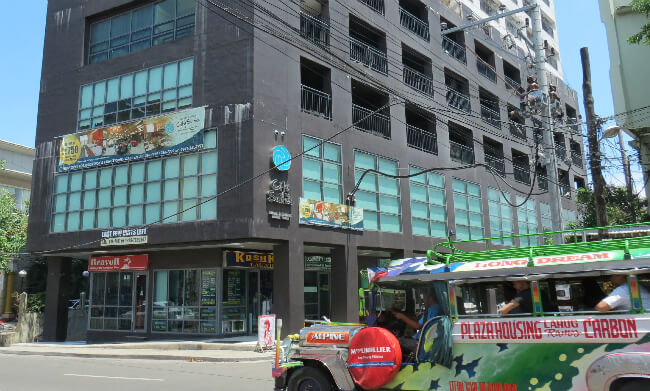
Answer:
[(555, 198), (594, 146), (626, 167)]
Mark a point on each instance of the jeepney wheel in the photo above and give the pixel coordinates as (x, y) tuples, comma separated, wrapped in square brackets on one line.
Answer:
[(309, 379)]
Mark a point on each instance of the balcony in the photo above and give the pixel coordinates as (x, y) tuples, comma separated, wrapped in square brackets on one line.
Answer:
[(496, 163), (576, 159), (521, 174), (518, 130), (418, 81), (458, 100), (573, 124), (485, 70), (421, 139), (542, 182), (454, 49), (560, 151), (368, 56), (414, 24), (315, 102), (511, 84), (565, 190), (461, 153), (490, 116), (368, 121), (375, 5), (314, 30)]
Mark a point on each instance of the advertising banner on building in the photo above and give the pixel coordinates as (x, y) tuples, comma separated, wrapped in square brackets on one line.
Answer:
[(266, 331), (165, 134), (330, 215), (248, 259), (115, 263), (124, 237)]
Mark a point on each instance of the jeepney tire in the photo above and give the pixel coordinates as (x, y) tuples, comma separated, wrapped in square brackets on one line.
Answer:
[(630, 384), (309, 379)]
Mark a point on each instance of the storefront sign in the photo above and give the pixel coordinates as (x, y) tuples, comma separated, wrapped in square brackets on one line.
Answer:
[(318, 262), (150, 137), (249, 259), (330, 215), (266, 331), (279, 193), (208, 289), (124, 237), (112, 263), (281, 158)]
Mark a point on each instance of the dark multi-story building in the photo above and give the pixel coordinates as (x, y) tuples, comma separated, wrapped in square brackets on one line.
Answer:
[(161, 124)]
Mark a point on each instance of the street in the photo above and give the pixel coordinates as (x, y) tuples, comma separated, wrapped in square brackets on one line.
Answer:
[(38, 373)]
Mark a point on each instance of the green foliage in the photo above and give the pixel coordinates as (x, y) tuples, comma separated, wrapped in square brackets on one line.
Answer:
[(620, 208), (642, 7), (36, 302), (13, 229)]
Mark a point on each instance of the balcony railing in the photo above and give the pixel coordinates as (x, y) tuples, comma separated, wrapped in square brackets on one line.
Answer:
[(518, 130), (376, 5), (573, 124), (461, 153), (542, 182), (485, 70), (565, 190), (560, 151), (315, 30), (497, 163), (418, 81), (421, 139), (371, 57), (413, 23), (490, 116), (511, 83), (576, 158), (521, 174), (454, 49), (366, 120), (458, 100), (315, 102)]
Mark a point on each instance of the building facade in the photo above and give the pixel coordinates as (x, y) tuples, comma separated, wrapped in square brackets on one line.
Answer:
[(16, 179), (163, 139)]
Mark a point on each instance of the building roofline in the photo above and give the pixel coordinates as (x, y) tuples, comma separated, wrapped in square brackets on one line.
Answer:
[(25, 150)]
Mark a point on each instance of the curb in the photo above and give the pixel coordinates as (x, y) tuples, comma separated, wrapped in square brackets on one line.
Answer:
[(137, 357)]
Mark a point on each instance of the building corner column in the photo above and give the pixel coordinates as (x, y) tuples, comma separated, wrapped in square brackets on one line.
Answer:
[(55, 326), (345, 284), (288, 285), (5, 293)]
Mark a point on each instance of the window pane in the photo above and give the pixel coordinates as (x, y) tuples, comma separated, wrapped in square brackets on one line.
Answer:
[(106, 177), (475, 220), (170, 191), (210, 139), (126, 86), (438, 230), (170, 210), (310, 146), (75, 181), (369, 181), (153, 192), (172, 167), (170, 74), (192, 209), (418, 192), (121, 175), (190, 165), (99, 31), (103, 218), (364, 161), (119, 217), (86, 96), (152, 213), (388, 185), (389, 223), (119, 196), (436, 180), (332, 152), (141, 83), (436, 196), (164, 11), (473, 189), (459, 186), (311, 190), (185, 7), (90, 179), (437, 213), (186, 68), (369, 220), (104, 198), (73, 221), (135, 215), (154, 170), (389, 204), (462, 232), (209, 209), (387, 166), (331, 173), (311, 168), (137, 172), (88, 219), (208, 185), (474, 204), (89, 199), (209, 162), (419, 209), (74, 201), (112, 93), (142, 17), (58, 223), (332, 193), (155, 79), (100, 90), (367, 201), (61, 183), (420, 227), (189, 187)]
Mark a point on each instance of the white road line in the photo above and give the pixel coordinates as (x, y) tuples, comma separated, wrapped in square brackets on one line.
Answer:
[(113, 377)]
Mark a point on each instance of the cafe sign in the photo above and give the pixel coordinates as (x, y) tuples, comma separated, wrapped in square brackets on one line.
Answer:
[(114, 263), (248, 259)]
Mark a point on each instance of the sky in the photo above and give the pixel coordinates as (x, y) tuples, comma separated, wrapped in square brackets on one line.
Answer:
[(20, 71)]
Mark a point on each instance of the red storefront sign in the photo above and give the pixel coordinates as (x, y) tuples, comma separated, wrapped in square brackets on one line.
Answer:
[(113, 263)]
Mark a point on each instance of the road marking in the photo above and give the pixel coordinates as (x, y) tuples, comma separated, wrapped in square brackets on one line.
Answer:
[(113, 377)]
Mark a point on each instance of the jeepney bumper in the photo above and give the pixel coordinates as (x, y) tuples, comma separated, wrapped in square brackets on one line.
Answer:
[(280, 378)]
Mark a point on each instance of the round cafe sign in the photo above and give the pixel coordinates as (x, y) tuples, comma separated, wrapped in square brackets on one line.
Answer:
[(281, 158)]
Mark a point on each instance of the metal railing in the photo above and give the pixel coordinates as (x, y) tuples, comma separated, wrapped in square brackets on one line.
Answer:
[(521, 174), (376, 5), (490, 116), (366, 120), (315, 102), (421, 139), (565, 190), (369, 56), (511, 83), (573, 124), (454, 49), (461, 153), (497, 163), (542, 182), (315, 30), (518, 130), (485, 70), (560, 151), (418, 81), (414, 24), (576, 158), (458, 100)]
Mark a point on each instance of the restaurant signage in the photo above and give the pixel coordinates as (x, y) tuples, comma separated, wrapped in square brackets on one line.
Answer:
[(165, 134), (330, 214), (248, 259), (114, 263)]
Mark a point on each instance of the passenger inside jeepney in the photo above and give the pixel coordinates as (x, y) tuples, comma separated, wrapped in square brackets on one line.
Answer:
[(619, 298), (522, 302), (431, 310)]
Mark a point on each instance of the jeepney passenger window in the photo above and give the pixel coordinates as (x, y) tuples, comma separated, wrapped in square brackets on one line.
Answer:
[(482, 298), (576, 295)]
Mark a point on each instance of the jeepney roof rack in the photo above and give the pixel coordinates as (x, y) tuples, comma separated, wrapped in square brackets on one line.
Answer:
[(448, 252)]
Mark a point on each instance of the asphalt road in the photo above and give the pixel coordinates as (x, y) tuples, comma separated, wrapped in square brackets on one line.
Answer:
[(40, 373)]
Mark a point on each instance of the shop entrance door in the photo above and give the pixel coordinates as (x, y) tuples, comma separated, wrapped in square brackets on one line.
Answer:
[(260, 293), (140, 301)]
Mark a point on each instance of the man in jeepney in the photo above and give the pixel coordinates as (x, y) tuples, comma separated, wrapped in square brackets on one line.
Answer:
[(432, 309), (522, 303), (619, 299)]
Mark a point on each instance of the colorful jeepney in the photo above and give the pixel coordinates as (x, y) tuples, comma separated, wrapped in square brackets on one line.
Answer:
[(563, 344)]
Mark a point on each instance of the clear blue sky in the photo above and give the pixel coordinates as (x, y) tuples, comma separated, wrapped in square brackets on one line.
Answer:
[(20, 71)]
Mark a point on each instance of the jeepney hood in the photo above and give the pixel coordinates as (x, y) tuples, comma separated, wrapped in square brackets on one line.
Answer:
[(328, 335)]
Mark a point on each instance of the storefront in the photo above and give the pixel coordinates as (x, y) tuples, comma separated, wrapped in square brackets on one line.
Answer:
[(317, 282)]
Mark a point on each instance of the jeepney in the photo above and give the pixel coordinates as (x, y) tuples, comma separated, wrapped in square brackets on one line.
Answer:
[(563, 344)]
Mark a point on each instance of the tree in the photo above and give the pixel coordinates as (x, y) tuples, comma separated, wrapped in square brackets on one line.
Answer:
[(621, 209), (642, 7), (13, 228)]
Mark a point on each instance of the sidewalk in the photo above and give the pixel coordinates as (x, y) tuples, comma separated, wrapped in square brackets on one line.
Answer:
[(207, 351)]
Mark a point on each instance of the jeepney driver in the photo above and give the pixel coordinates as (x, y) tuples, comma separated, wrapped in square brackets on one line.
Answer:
[(432, 309), (619, 299), (522, 303)]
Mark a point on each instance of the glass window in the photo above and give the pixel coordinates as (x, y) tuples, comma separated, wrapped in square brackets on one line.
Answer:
[(378, 193), (321, 170), (467, 197), (500, 216), (527, 220), (428, 215), (111, 301)]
